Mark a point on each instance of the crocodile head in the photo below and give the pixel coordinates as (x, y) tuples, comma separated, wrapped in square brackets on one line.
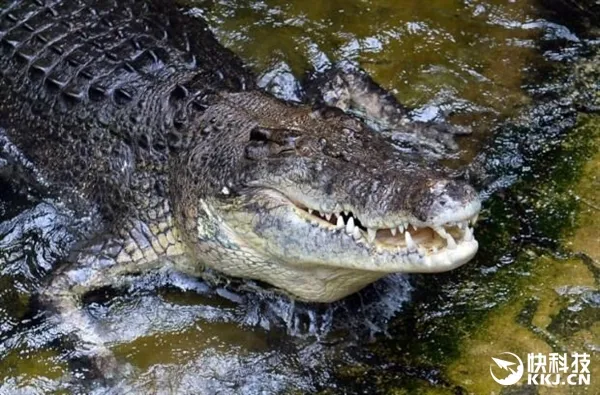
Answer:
[(321, 206)]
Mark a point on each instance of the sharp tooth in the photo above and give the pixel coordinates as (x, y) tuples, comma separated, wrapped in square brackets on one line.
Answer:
[(371, 234), (350, 226), (393, 230), (340, 222), (328, 217), (356, 233), (347, 212), (461, 225), (413, 258), (441, 231), (409, 241), (401, 228), (310, 210), (468, 234), (474, 219), (414, 227), (451, 242), (435, 249)]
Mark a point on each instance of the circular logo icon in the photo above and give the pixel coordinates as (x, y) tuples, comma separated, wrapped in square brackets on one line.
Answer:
[(511, 366)]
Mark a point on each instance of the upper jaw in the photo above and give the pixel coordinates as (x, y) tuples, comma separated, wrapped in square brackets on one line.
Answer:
[(400, 227), (403, 243), (466, 212)]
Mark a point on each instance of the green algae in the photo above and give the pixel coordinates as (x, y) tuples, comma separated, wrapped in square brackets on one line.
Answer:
[(181, 347), (27, 365), (529, 323), (584, 236), (537, 318)]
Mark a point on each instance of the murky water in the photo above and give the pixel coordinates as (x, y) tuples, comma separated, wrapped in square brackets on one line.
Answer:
[(460, 60), (496, 66)]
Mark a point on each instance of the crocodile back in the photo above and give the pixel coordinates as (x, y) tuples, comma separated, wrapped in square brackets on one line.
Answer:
[(93, 91)]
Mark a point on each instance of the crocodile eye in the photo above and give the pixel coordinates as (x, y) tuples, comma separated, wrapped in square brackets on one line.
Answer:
[(265, 143), (259, 134)]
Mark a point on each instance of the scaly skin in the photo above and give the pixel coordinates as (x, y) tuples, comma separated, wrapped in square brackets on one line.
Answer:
[(133, 107)]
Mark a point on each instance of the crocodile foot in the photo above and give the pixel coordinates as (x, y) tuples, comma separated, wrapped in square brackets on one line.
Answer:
[(346, 87)]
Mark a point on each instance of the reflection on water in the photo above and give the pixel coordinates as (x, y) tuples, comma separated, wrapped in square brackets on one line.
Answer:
[(463, 60)]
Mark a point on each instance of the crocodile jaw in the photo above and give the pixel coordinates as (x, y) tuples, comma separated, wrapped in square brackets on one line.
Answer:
[(314, 258)]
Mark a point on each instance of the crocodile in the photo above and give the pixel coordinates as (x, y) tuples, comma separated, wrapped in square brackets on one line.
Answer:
[(133, 111)]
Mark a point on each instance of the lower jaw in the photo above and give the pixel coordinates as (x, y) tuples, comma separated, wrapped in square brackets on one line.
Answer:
[(405, 261), (330, 278), (328, 282), (442, 261)]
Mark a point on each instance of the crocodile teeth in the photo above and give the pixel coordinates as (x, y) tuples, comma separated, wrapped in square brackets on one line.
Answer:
[(409, 241), (449, 239), (441, 231), (350, 226), (451, 242), (371, 233), (468, 234)]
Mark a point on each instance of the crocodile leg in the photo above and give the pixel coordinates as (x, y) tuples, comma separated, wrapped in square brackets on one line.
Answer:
[(108, 262), (353, 91), (16, 169)]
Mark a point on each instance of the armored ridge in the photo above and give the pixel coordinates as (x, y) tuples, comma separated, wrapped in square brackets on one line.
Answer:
[(88, 88)]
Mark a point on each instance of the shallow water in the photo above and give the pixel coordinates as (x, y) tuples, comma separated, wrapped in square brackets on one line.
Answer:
[(496, 66), (464, 59)]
